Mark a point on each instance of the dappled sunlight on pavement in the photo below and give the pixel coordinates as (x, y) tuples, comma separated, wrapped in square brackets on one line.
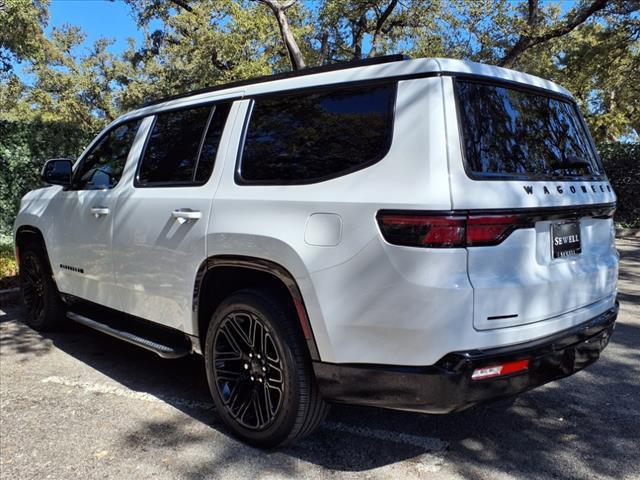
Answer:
[(83, 405)]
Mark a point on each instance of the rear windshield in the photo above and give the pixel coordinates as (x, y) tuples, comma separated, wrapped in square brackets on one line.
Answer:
[(511, 133)]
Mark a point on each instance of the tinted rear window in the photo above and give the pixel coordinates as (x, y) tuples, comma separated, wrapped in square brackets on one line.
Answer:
[(212, 142), (310, 137), (516, 133), (173, 148)]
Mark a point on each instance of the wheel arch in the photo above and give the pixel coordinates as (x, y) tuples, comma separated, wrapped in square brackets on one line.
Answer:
[(23, 235), (220, 275)]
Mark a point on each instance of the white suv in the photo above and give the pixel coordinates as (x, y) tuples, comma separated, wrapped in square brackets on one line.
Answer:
[(413, 234)]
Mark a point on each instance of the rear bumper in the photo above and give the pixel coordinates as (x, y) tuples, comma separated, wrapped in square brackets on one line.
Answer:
[(447, 386)]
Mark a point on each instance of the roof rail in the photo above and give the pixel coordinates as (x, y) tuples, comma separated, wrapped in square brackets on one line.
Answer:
[(293, 73)]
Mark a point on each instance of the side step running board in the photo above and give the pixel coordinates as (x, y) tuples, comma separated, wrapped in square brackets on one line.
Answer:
[(165, 351)]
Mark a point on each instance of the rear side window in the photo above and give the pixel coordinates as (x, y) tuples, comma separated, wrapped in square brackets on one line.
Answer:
[(510, 133), (102, 166), (311, 137), (182, 147), (211, 142)]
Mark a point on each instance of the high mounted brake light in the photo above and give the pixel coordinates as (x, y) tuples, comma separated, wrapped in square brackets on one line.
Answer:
[(447, 231)]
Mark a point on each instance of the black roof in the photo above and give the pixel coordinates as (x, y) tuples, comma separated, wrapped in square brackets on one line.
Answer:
[(279, 76)]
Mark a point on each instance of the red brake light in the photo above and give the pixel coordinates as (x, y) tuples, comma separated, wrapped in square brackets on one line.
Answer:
[(440, 231), (423, 230), (489, 229)]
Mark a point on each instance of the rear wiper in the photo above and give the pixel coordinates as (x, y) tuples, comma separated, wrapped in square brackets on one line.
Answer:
[(575, 161), (571, 162)]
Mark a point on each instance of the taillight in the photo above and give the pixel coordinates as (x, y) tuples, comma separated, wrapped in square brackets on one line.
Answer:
[(440, 231), (423, 230), (490, 229)]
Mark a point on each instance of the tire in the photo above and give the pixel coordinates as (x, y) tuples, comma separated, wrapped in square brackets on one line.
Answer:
[(43, 307), (259, 371)]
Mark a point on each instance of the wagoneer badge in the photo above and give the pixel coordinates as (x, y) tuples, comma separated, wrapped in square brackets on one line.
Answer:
[(572, 189)]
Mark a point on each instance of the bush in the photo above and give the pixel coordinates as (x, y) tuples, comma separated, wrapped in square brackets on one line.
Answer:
[(8, 266), (622, 164), (24, 147)]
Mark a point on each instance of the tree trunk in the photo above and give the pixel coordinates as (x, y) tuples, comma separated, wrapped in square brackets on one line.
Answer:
[(377, 34), (324, 48), (512, 55), (279, 10), (295, 55), (358, 29)]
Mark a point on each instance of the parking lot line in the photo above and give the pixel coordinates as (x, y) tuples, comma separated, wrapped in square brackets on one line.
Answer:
[(429, 444)]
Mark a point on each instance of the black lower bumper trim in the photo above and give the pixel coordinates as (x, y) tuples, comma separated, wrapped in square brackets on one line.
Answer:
[(447, 386)]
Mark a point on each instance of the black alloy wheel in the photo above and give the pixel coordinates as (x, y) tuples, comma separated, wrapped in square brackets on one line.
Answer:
[(259, 371), (247, 368), (40, 295), (33, 285)]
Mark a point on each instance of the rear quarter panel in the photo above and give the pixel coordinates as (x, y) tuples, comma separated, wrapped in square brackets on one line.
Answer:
[(269, 222)]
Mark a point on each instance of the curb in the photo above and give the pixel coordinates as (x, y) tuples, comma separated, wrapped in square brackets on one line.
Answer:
[(9, 295), (627, 232)]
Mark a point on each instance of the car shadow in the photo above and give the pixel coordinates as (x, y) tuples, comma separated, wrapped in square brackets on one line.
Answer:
[(591, 416)]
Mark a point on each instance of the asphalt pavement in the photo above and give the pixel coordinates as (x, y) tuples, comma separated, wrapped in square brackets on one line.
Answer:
[(79, 404)]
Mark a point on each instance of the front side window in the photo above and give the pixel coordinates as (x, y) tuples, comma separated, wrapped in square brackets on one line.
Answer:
[(102, 166), (182, 146), (511, 133), (311, 137)]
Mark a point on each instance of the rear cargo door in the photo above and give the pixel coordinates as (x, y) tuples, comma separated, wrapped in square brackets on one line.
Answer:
[(524, 170)]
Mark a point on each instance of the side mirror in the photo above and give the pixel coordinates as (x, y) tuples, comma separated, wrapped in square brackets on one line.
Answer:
[(57, 172)]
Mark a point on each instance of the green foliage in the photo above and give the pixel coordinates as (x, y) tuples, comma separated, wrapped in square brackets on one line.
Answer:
[(8, 266), (600, 66), (21, 35), (69, 86), (622, 164), (24, 147), (190, 44), (212, 42), (197, 43), (345, 29)]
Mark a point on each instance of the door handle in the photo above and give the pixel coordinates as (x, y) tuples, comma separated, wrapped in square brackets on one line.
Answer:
[(184, 215), (99, 211)]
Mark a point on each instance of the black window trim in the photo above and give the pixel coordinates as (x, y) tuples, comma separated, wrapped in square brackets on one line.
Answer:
[(94, 143), (176, 184), (513, 176), (158, 108), (239, 180), (235, 97), (497, 81)]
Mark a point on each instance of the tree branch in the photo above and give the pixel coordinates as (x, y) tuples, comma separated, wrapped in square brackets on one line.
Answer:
[(358, 29), (287, 5), (278, 9), (182, 4), (533, 12), (324, 48), (375, 42), (529, 40), (219, 64)]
